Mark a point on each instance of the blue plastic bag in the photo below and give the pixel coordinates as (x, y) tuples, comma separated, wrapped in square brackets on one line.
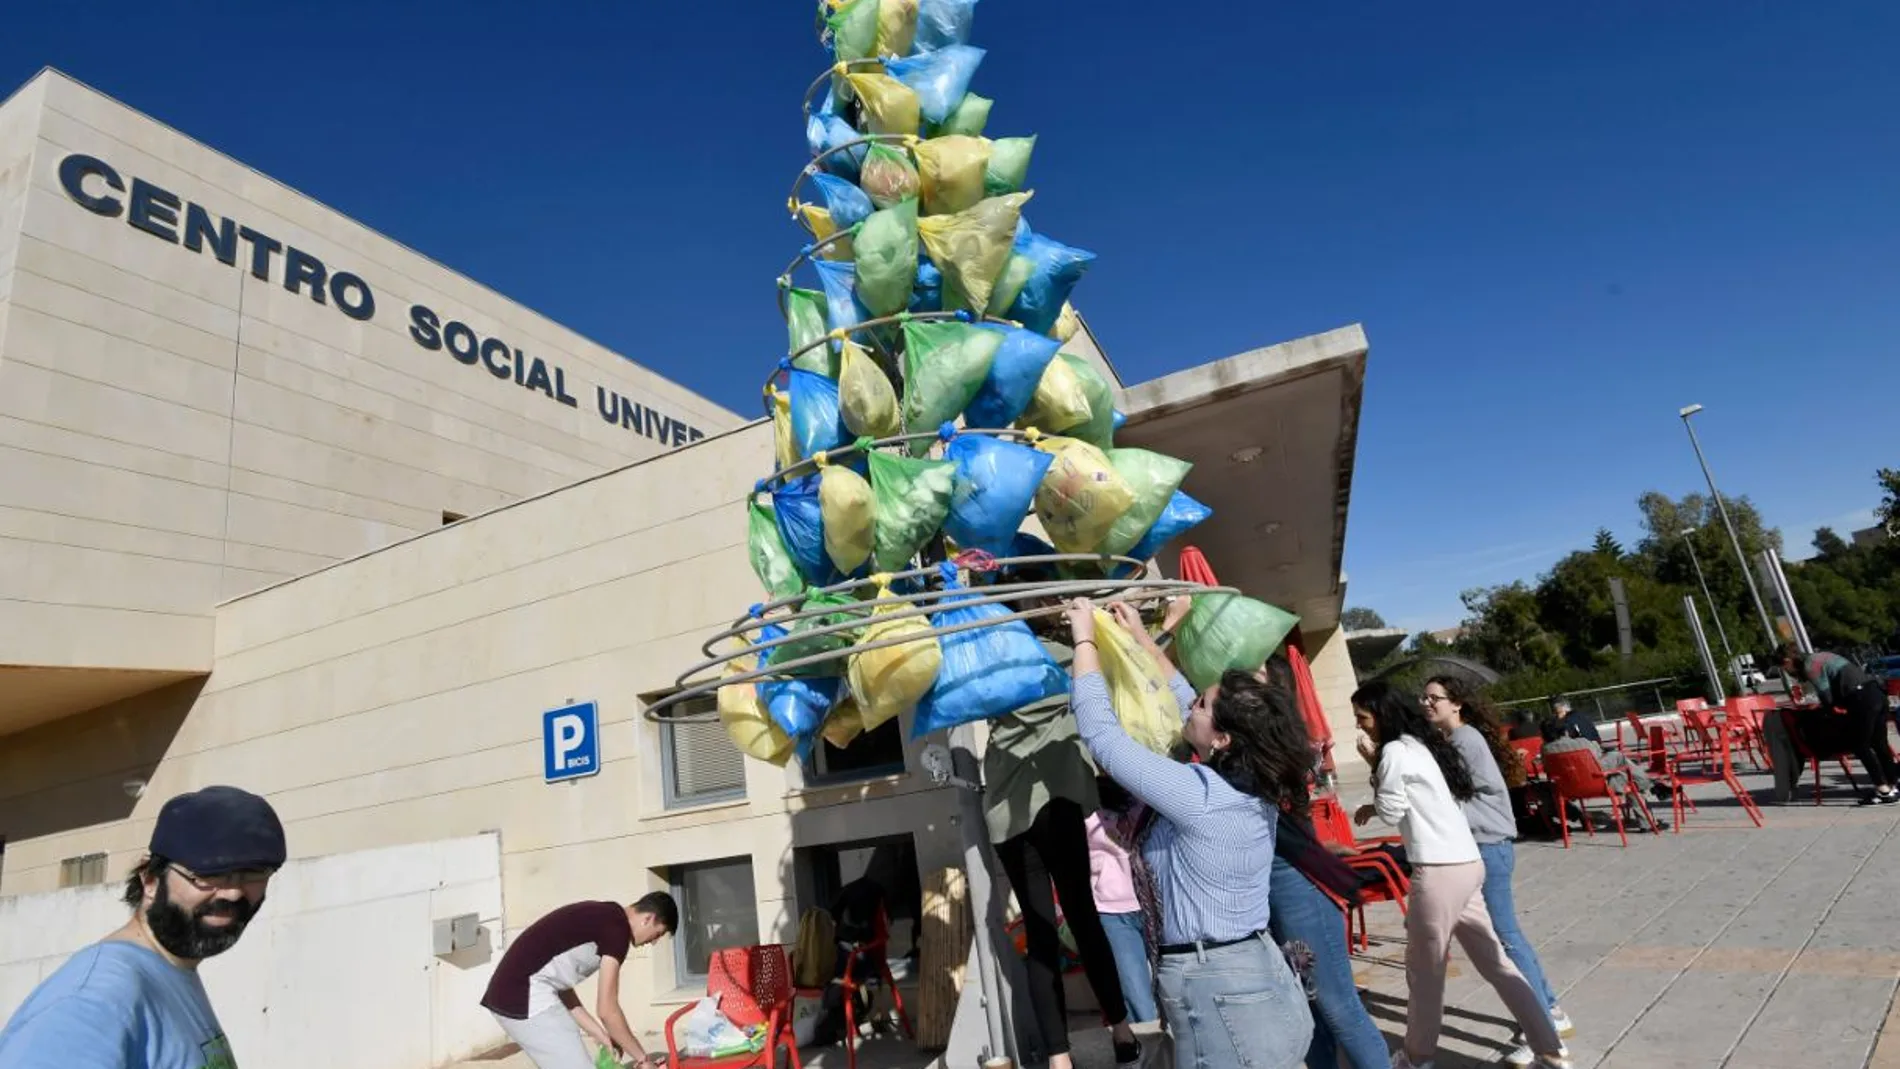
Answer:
[(1014, 373), (1181, 513), (1115, 421), (817, 423), (846, 202), (797, 706), (987, 671), (840, 281), (941, 23), (995, 486), (801, 526), (926, 294), (1055, 268), (824, 132), (939, 78)]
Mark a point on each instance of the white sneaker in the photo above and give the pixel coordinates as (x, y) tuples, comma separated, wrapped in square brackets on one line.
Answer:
[(1402, 1060), (1524, 1056), (1562, 1020)]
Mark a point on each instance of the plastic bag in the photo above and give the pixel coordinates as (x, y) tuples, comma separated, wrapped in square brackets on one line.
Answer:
[(816, 423), (927, 294), (805, 325), (1067, 323), (1015, 372), (747, 722), (845, 500), (1008, 166), (970, 247), (1099, 429), (987, 671), (844, 723), (823, 228), (1081, 497), (845, 203), (854, 30), (840, 281), (826, 132), (913, 497), (939, 78), (995, 486), (797, 706), (866, 400), (1182, 513), (888, 176), (704, 1032), (1060, 400), (945, 363), (804, 645), (1223, 631), (1153, 478), (1010, 283), (889, 681), (784, 447), (896, 27), (1137, 686), (1054, 270), (971, 114), (889, 106), (801, 528), (941, 23), (771, 561), (950, 170), (887, 259)]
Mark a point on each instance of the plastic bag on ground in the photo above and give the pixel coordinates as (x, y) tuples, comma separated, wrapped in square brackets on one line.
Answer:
[(816, 423), (844, 723), (926, 295), (844, 202), (826, 132), (1182, 513), (888, 176), (1099, 429), (1059, 402), (747, 722), (771, 561), (844, 498), (971, 114), (1054, 270), (1154, 478), (943, 22), (801, 528), (996, 484), (805, 325), (950, 170), (945, 363), (840, 281), (889, 105), (1081, 497), (1008, 166), (1228, 631), (912, 499), (939, 78), (889, 681), (987, 671), (887, 259), (1137, 686), (1015, 372), (971, 246), (867, 401)]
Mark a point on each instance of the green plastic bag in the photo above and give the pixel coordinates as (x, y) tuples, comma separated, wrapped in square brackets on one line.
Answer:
[(945, 363), (805, 324), (604, 1059), (810, 647), (1099, 429), (1154, 478), (888, 177), (866, 400), (971, 247), (951, 170), (887, 259), (1008, 167), (854, 30), (1228, 631), (969, 117), (771, 561), (844, 500), (912, 498), (1009, 285)]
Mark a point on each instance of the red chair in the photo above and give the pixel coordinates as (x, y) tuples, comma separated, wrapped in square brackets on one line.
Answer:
[(1743, 724), (1533, 751), (1716, 767), (754, 985), (1813, 759), (1576, 776), (877, 949), (1387, 882)]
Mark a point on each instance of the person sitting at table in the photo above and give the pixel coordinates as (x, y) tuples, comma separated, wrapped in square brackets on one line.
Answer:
[(1575, 724), (1617, 769), (1845, 686)]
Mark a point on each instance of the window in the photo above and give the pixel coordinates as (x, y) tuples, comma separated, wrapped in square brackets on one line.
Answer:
[(699, 764), (82, 871), (718, 909), (878, 752), (452, 517)]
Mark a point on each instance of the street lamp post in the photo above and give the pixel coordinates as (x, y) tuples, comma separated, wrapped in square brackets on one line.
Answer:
[(1721, 509), (1715, 612)]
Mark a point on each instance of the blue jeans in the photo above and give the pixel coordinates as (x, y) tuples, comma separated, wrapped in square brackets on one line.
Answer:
[(1340, 1021), (1235, 1007), (1500, 860), (1128, 937)]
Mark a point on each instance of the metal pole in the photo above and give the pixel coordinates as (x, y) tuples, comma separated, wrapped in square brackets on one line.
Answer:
[(1717, 693), (1714, 613), (1741, 558), (967, 775)]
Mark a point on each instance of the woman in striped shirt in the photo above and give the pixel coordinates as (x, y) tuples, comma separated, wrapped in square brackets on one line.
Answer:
[(1230, 999)]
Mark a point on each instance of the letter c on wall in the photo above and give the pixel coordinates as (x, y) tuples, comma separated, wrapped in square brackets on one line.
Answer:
[(73, 172)]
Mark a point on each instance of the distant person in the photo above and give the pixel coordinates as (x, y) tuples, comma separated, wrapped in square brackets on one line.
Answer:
[(134, 999), (532, 995), (1842, 685), (1575, 724), (1617, 768), (1524, 725)]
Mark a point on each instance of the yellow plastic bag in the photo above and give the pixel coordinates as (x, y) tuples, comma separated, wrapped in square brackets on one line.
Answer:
[(843, 724), (784, 448), (866, 399), (889, 681), (950, 172), (896, 27), (970, 248), (746, 720), (817, 219), (1067, 323), (1081, 496), (889, 105), (1060, 402), (845, 503), (1137, 687)]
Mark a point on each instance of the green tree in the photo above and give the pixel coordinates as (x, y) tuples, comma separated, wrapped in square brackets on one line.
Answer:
[(1607, 545), (1888, 511), (1827, 544), (1503, 629), (1361, 619)]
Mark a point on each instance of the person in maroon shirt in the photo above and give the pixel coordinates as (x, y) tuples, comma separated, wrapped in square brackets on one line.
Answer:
[(532, 995)]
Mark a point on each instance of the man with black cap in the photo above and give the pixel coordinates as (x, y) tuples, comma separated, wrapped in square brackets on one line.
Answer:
[(134, 999)]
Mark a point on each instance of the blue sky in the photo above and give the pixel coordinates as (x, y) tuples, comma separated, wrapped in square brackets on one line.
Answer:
[(1558, 223)]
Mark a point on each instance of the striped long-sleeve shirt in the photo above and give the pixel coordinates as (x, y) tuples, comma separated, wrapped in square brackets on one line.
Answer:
[(1211, 847)]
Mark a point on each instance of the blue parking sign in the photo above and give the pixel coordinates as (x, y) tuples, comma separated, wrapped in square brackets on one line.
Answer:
[(570, 742)]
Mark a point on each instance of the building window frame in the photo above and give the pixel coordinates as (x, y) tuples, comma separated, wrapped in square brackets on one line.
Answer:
[(818, 773), (683, 974), (671, 798), (84, 870)]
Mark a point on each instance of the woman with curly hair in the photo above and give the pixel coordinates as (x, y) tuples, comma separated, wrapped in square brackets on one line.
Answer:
[(1227, 992), (1420, 779)]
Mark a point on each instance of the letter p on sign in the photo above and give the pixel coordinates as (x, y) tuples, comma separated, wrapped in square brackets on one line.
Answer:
[(570, 742)]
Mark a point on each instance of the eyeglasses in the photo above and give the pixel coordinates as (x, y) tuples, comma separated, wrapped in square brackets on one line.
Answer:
[(241, 880), (1433, 699)]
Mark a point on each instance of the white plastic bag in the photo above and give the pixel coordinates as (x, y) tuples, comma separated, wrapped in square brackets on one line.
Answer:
[(705, 1031)]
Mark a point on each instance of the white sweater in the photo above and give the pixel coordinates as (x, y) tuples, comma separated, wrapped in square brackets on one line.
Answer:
[(1413, 795)]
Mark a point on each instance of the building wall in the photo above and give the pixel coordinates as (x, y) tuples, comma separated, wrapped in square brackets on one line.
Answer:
[(1334, 679), (176, 430)]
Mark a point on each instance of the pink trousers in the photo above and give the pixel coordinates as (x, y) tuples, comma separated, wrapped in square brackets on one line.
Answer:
[(1445, 903)]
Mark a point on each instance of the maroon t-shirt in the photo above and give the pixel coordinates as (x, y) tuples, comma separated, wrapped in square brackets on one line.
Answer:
[(554, 954)]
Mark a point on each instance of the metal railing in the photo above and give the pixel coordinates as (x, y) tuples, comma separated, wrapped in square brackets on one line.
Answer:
[(1644, 697)]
